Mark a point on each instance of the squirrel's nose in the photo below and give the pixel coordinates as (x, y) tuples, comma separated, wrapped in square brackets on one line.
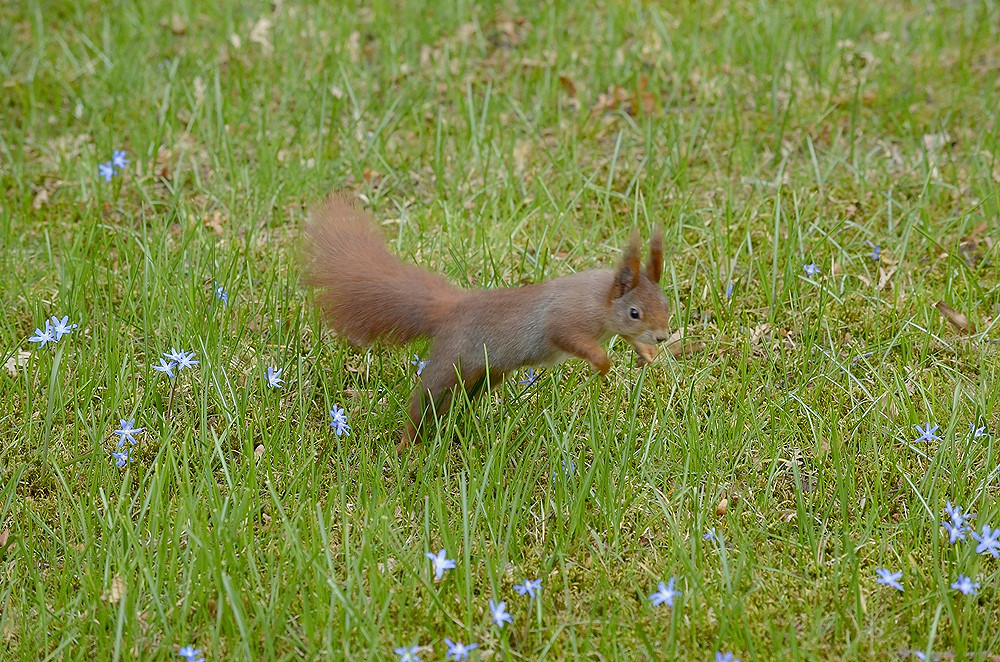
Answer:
[(661, 338)]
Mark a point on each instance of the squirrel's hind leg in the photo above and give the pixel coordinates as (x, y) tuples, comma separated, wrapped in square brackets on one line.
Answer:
[(435, 394)]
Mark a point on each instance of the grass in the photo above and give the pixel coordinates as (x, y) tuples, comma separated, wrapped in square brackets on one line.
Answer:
[(500, 144)]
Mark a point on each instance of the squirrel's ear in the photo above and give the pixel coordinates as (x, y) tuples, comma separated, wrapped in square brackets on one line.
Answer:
[(627, 275), (654, 268)]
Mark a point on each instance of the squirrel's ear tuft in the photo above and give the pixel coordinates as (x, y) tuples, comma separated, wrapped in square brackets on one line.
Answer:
[(627, 274), (654, 268)]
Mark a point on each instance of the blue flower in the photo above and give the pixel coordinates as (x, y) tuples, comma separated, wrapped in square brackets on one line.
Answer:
[(274, 379), (498, 612), (408, 654), (61, 327), (811, 269), (43, 337), (106, 170), (118, 159), (889, 578), (457, 650), (665, 594), (121, 457), (927, 434), (221, 294), (956, 532), (725, 657), (440, 563), (190, 654), (876, 253), (339, 422), (729, 290), (127, 432), (529, 587), (419, 363), (989, 541), (710, 535), (529, 378), (166, 368), (976, 432), (958, 518), (965, 585), (182, 358)]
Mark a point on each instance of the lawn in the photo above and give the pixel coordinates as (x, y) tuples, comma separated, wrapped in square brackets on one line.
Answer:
[(827, 176)]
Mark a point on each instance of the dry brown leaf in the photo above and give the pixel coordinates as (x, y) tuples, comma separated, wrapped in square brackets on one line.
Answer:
[(258, 452), (114, 592), (213, 221), (723, 507), (4, 537), (177, 24), (16, 361), (884, 276), (612, 99), (41, 199), (957, 319), (568, 86), (260, 34)]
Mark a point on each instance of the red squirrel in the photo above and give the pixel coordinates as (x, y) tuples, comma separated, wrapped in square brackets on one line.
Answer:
[(367, 293)]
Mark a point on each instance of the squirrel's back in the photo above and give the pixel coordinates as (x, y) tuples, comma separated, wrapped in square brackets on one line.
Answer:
[(366, 291)]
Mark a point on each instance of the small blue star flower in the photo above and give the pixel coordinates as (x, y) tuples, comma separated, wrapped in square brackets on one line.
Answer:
[(419, 363), (274, 379), (61, 327), (955, 532), (440, 564), (121, 458), (339, 422), (106, 170), (529, 587), (457, 650), (976, 432), (927, 433), (408, 654), (166, 368), (182, 358), (958, 518), (725, 657), (190, 654), (888, 578), (665, 594), (127, 432), (710, 535), (729, 290), (529, 378), (118, 159), (498, 612), (876, 253), (43, 337), (965, 585), (221, 294), (989, 541), (811, 269)]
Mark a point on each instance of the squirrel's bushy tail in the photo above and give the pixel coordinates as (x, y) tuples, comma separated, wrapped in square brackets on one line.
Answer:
[(366, 291)]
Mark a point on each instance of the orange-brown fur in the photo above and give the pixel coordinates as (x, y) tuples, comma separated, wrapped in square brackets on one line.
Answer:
[(368, 293)]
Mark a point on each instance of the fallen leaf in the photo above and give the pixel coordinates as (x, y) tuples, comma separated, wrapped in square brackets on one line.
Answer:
[(723, 507), (213, 221), (178, 24), (568, 86), (16, 361), (957, 319), (259, 451), (114, 592), (260, 34), (612, 99), (41, 199), (4, 537)]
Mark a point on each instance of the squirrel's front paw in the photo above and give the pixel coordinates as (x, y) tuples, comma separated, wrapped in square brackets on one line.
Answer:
[(647, 353)]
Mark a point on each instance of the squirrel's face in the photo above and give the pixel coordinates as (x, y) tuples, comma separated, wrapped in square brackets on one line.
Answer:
[(640, 312), (641, 316)]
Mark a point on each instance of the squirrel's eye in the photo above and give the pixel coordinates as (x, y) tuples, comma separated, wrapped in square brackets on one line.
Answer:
[(634, 313)]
